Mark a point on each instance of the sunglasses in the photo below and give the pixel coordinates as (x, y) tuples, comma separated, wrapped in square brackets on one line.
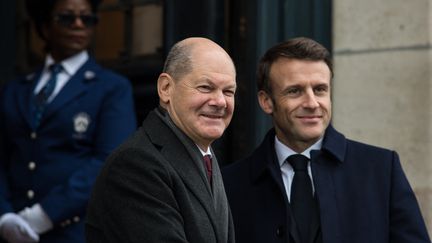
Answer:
[(67, 19)]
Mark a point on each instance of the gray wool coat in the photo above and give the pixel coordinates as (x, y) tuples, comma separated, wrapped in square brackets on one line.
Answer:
[(154, 188)]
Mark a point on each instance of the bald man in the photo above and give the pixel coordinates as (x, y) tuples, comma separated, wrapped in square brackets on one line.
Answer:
[(164, 183)]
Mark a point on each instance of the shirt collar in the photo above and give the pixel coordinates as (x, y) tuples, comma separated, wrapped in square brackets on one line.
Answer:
[(71, 64), (283, 151), (204, 153)]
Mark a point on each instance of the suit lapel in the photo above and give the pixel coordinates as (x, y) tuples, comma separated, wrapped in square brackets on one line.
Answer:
[(323, 167), (186, 160), (265, 160), (77, 85), (220, 201)]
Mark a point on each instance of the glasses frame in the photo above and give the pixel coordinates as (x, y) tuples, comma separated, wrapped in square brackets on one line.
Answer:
[(67, 19)]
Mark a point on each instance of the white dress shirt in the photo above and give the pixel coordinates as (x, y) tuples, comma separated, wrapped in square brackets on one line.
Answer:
[(204, 153), (70, 67), (287, 171)]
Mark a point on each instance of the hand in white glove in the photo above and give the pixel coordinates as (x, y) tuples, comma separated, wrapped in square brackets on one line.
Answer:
[(14, 229), (36, 217)]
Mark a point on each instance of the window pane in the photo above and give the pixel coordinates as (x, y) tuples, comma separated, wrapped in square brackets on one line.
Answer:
[(109, 38), (147, 29)]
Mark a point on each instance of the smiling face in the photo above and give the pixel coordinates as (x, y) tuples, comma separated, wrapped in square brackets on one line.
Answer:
[(201, 102), (299, 102), (66, 41)]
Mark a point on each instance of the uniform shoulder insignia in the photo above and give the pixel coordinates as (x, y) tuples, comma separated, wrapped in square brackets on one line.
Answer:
[(30, 77), (89, 75)]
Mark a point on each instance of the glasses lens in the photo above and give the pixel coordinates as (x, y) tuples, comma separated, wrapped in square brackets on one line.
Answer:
[(68, 19), (89, 20), (65, 20)]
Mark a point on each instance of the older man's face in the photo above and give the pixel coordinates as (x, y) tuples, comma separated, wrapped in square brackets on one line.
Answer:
[(202, 102)]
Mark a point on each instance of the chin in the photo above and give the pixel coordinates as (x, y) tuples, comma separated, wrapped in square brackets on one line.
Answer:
[(214, 134)]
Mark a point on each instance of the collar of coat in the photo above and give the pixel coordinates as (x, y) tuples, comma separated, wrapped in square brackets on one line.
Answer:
[(334, 146), (88, 71)]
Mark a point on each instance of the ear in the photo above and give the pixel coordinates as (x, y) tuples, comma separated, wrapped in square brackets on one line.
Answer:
[(165, 84), (265, 102)]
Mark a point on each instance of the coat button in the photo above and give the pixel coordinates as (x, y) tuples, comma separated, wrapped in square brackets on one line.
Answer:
[(31, 165), (30, 194), (279, 231), (33, 135)]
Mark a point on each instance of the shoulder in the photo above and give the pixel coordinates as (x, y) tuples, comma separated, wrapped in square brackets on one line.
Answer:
[(240, 166), (242, 172), (362, 149), (137, 149), (137, 163), (253, 165), (92, 70), (347, 149), (17, 84)]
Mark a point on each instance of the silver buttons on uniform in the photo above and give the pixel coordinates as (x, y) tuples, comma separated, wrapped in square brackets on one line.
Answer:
[(68, 222), (31, 165), (30, 194), (33, 135)]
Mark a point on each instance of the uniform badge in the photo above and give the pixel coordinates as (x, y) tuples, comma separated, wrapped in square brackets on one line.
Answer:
[(89, 75), (81, 122)]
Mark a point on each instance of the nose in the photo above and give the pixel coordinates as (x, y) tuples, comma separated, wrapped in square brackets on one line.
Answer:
[(78, 22), (218, 99), (310, 100)]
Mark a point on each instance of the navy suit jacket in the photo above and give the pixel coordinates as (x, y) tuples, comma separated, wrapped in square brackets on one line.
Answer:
[(362, 192), (56, 163)]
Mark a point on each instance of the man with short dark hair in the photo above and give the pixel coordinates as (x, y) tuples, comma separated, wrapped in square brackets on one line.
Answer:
[(164, 183), (306, 182)]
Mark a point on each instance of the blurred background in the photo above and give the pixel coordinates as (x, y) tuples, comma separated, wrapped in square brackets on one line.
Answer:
[(382, 50)]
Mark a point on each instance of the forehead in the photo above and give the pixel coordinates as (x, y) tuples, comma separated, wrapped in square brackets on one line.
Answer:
[(212, 60), (81, 5), (213, 64), (295, 70)]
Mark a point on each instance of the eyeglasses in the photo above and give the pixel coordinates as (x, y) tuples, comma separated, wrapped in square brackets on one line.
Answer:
[(67, 19)]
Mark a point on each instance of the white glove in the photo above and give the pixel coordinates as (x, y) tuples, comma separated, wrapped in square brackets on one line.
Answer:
[(14, 229), (37, 218)]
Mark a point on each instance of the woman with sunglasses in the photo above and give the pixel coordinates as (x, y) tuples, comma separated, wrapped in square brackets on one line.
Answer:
[(57, 125)]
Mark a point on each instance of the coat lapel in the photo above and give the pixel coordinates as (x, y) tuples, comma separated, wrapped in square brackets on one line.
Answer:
[(265, 161), (324, 164), (77, 85), (220, 201), (186, 160)]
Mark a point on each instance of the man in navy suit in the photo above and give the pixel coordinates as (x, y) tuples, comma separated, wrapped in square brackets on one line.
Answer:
[(355, 192), (57, 126)]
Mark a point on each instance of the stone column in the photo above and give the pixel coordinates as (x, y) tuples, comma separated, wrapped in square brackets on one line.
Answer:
[(382, 90)]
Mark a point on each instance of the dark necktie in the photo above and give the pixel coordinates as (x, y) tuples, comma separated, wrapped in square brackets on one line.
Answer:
[(41, 98), (301, 201), (208, 165)]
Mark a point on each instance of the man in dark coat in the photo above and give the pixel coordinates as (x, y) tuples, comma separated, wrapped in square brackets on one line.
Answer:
[(306, 182), (157, 187)]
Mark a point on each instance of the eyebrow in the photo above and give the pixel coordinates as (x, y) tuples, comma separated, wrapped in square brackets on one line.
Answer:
[(208, 80)]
